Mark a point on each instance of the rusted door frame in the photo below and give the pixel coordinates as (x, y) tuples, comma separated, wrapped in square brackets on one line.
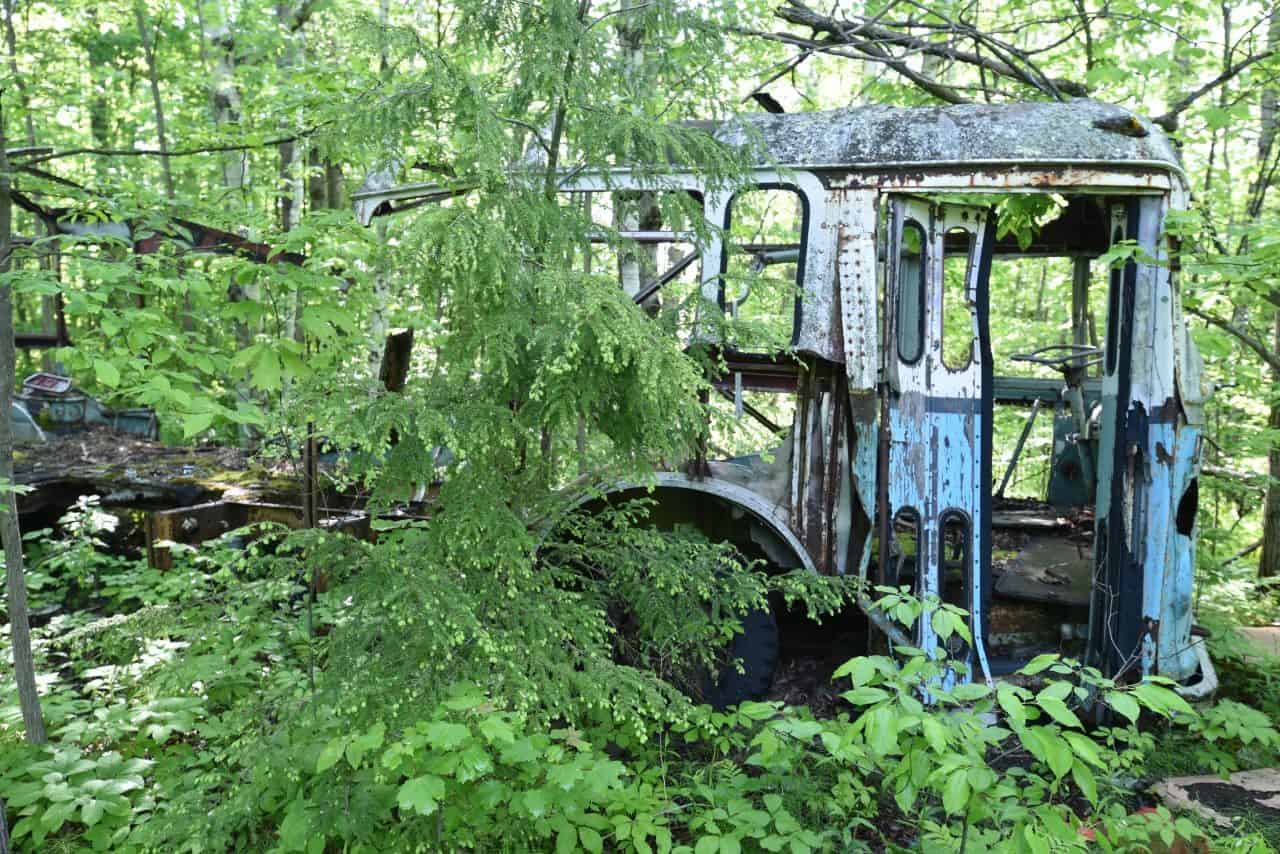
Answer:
[(939, 419)]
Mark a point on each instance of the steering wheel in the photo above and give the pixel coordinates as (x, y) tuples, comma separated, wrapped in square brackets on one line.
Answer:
[(1063, 357)]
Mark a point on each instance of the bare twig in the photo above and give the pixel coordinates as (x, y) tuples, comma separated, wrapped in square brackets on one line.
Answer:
[(1242, 335), (1169, 120), (155, 152)]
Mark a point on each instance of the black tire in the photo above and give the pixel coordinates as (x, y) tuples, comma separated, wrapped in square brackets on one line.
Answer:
[(756, 647)]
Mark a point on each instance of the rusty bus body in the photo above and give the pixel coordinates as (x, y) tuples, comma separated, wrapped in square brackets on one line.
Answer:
[(889, 442)]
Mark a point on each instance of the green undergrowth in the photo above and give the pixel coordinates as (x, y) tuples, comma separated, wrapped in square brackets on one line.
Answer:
[(433, 695)]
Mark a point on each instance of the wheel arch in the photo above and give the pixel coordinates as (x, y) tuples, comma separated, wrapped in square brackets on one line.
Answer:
[(714, 505)]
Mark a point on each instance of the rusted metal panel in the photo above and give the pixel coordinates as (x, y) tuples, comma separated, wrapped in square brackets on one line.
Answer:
[(817, 331), (939, 462), (1005, 177), (1149, 457), (857, 286), (820, 486), (203, 522)]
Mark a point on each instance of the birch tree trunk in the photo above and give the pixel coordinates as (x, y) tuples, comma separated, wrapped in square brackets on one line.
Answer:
[(641, 209), (223, 94), (378, 326), (10, 534)]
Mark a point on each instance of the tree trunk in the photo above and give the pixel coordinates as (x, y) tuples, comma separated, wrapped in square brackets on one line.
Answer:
[(292, 186), (48, 256), (223, 93), (19, 622), (147, 36), (1269, 562), (378, 324)]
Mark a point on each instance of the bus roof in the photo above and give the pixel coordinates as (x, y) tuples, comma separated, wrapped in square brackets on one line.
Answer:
[(1080, 130)]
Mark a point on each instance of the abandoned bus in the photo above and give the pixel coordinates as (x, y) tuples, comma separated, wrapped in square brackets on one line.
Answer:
[(869, 233)]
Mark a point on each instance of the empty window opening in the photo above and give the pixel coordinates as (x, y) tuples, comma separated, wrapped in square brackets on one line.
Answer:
[(647, 242), (1114, 290), (763, 268), (1036, 303), (959, 318), (911, 293), (758, 430), (904, 550), (1188, 506), (955, 566)]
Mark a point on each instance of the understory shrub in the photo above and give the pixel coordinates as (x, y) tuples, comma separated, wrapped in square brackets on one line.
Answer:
[(430, 691)]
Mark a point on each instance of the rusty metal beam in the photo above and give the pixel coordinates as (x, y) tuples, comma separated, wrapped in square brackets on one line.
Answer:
[(654, 285)]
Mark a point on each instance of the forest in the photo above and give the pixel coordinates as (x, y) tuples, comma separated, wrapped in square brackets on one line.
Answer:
[(640, 425)]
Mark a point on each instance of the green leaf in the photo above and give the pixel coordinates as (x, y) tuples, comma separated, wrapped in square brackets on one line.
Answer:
[(707, 845), (1058, 711), (360, 745), (537, 802), (1035, 842), (1057, 690), (1216, 118), (295, 828), (266, 371), (1039, 663), (196, 423), (91, 812), (107, 373), (865, 696), (494, 728), (935, 733), (968, 692), (330, 755), (1160, 699), (859, 670), (590, 840), (1085, 748), (1122, 704), (1014, 709), (445, 735), (57, 815), (730, 845), (421, 794), (882, 730), (1057, 752), (955, 795), (1085, 781)]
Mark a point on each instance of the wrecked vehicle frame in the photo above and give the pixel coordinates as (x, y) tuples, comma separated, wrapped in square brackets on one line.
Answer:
[(886, 469)]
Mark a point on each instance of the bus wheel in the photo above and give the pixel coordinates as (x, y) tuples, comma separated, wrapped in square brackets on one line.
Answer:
[(755, 649)]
